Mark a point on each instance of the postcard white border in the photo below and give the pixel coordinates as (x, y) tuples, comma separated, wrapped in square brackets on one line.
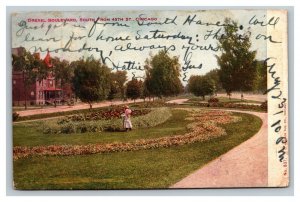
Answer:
[(266, 191)]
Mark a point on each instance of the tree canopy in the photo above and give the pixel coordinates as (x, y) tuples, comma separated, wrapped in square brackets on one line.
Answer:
[(201, 86), (134, 89), (120, 78), (91, 80), (162, 75), (238, 66), (214, 75), (33, 69), (261, 83)]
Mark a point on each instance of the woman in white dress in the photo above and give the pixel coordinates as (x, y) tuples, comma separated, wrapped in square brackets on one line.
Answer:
[(127, 121)]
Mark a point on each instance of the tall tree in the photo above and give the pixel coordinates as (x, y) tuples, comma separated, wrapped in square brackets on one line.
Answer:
[(237, 62), (201, 86), (145, 92), (113, 89), (62, 72), (261, 83), (120, 78), (33, 69), (134, 89), (162, 75), (91, 81)]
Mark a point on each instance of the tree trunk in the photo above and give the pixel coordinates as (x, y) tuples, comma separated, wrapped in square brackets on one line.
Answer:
[(25, 91), (123, 94), (62, 91), (91, 106), (229, 96), (55, 93), (203, 97)]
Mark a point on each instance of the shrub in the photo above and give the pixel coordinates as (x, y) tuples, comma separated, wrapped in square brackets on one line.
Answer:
[(213, 100), (15, 116), (264, 106), (68, 128), (155, 117)]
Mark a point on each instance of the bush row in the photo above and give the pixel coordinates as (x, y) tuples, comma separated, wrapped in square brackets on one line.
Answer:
[(262, 107)]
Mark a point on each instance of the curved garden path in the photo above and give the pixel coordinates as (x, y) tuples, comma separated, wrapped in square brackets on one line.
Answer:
[(178, 101), (246, 165)]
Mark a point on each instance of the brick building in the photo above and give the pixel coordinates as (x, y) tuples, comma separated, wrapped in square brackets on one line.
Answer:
[(42, 92)]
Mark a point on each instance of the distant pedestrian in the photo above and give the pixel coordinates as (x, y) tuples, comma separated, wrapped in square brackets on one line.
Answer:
[(127, 121)]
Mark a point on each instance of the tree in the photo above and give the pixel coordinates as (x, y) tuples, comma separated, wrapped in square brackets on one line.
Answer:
[(134, 89), (237, 62), (201, 86), (62, 72), (214, 75), (261, 83), (145, 92), (33, 69), (120, 78), (91, 80), (113, 89), (162, 75)]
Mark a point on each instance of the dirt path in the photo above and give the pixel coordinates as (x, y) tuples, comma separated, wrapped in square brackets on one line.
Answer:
[(246, 165), (71, 108), (177, 101)]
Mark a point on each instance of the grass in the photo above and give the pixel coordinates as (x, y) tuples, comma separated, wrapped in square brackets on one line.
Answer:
[(156, 168), (28, 134)]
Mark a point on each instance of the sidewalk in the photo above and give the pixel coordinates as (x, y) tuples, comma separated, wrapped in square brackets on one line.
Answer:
[(71, 108), (246, 165)]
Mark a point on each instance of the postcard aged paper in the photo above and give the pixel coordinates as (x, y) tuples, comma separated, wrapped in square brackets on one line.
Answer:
[(140, 99)]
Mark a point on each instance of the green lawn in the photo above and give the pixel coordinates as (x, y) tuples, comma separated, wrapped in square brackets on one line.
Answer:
[(155, 168)]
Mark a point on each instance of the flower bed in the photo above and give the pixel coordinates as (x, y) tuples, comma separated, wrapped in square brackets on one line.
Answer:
[(233, 105), (152, 118), (107, 114), (204, 127)]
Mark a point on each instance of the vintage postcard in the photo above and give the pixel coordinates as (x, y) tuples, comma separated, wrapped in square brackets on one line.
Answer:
[(149, 99)]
